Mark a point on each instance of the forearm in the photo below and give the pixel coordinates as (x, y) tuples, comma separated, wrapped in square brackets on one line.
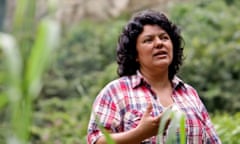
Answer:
[(133, 136)]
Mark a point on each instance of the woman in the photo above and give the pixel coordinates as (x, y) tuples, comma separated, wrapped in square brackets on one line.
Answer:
[(149, 55)]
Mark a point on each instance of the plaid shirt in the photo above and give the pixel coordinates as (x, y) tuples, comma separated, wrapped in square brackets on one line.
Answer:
[(121, 104)]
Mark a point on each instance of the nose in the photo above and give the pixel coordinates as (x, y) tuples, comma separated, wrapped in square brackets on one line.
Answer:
[(158, 42)]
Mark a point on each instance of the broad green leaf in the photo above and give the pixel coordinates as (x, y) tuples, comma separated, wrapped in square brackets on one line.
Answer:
[(165, 117), (47, 39), (172, 129), (182, 130), (14, 89), (14, 65), (24, 15), (177, 125), (3, 100)]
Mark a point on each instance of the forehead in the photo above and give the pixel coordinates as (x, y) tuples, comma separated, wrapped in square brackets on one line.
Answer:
[(152, 30)]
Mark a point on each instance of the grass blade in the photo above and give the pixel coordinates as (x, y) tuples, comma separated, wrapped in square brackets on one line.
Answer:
[(182, 130), (44, 46), (165, 117), (173, 126), (105, 132), (177, 123), (14, 65)]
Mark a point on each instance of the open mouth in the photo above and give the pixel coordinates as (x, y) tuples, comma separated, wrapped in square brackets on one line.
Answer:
[(160, 53)]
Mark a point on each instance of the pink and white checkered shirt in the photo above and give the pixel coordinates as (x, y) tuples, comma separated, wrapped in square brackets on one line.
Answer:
[(121, 104)]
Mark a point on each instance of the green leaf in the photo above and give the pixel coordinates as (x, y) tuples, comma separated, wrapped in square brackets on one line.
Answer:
[(177, 123), (104, 131), (172, 129), (3, 100), (165, 117), (107, 136), (46, 41), (14, 65), (24, 15), (182, 130)]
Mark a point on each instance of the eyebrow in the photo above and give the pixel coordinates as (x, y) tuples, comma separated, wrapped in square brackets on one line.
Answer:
[(151, 35)]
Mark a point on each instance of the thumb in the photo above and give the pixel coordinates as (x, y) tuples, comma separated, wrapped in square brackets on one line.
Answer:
[(148, 110)]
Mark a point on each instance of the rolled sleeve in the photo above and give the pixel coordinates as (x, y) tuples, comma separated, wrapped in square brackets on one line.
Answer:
[(211, 137), (104, 113)]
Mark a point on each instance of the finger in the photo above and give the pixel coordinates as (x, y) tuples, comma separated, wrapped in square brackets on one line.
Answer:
[(158, 118), (148, 110)]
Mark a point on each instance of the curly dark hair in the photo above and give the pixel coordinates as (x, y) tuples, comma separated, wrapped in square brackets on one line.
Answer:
[(126, 48)]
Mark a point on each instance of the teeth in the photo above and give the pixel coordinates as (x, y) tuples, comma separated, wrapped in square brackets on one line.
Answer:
[(160, 53)]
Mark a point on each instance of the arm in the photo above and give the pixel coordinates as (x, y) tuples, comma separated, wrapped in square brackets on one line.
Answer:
[(132, 136), (147, 127), (211, 136)]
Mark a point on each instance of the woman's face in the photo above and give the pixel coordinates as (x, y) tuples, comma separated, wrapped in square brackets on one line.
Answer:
[(155, 48)]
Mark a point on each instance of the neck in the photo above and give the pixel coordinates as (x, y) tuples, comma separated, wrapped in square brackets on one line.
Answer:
[(157, 79)]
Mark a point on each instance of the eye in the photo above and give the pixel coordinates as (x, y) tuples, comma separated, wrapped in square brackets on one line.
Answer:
[(165, 37), (147, 40)]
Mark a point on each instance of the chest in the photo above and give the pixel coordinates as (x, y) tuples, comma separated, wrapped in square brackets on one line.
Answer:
[(134, 105)]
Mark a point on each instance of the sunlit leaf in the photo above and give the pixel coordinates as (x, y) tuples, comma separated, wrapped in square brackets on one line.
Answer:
[(182, 130), (164, 119), (24, 15), (14, 65), (3, 100), (172, 130), (46, 41)]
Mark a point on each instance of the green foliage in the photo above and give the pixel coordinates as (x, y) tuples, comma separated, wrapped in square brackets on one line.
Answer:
[(22, 81), (86, 62), (87, 50), (102, 78), (212, 64), (61, 121), (2, 12), (177, 122), (23, 85), (227, 127)]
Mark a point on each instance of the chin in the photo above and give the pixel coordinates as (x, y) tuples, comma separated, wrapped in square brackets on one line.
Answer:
[(163, 63)]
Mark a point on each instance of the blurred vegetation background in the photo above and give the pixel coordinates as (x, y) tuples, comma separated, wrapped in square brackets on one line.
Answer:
[(85, 61)]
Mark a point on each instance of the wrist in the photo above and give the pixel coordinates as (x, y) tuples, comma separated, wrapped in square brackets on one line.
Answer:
[(141, 133)]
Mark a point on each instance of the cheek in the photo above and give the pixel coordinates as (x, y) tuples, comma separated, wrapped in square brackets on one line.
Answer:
[(142, 51), (172, 55)]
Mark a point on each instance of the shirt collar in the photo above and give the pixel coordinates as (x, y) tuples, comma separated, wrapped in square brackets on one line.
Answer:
[(177, 83), (138, 80)]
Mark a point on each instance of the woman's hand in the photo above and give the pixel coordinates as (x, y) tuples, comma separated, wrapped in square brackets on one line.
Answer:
[(148, 125)]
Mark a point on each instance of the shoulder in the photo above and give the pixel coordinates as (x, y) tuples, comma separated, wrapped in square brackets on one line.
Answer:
[(183, 86), (190, 87), (118, 83), (189, 94), (114, 88)]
